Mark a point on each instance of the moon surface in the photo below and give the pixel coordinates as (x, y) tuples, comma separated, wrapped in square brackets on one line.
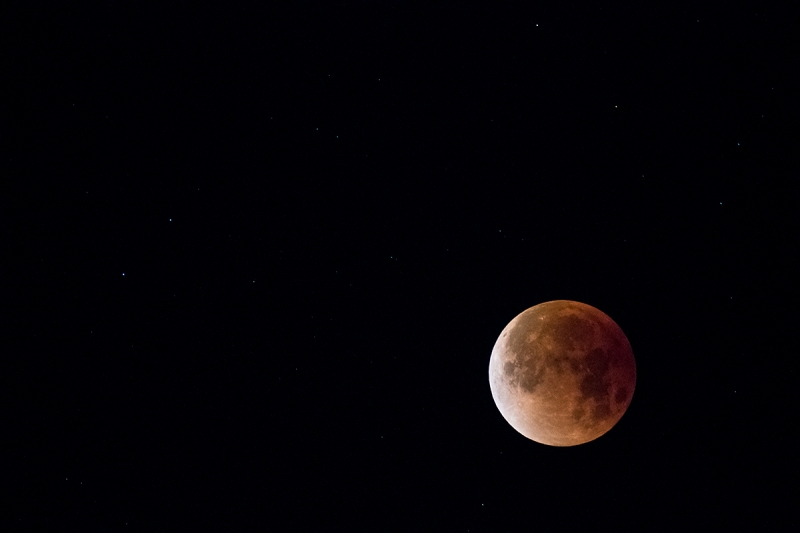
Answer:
[(562, 373)]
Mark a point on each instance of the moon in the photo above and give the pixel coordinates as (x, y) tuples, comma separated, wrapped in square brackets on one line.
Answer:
[(562, 373)]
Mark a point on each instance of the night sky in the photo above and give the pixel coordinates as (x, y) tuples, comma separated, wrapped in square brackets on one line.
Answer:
[(256, 259)]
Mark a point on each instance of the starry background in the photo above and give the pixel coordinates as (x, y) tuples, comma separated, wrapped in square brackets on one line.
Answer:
[(256, 260)]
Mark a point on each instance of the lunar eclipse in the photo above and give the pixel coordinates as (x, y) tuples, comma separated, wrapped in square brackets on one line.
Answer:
[(562, 373)]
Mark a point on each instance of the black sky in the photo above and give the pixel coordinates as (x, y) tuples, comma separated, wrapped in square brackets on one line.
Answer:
[(257, 258)]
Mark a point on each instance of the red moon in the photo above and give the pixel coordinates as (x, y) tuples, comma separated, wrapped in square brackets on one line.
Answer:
[(562, 373)]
